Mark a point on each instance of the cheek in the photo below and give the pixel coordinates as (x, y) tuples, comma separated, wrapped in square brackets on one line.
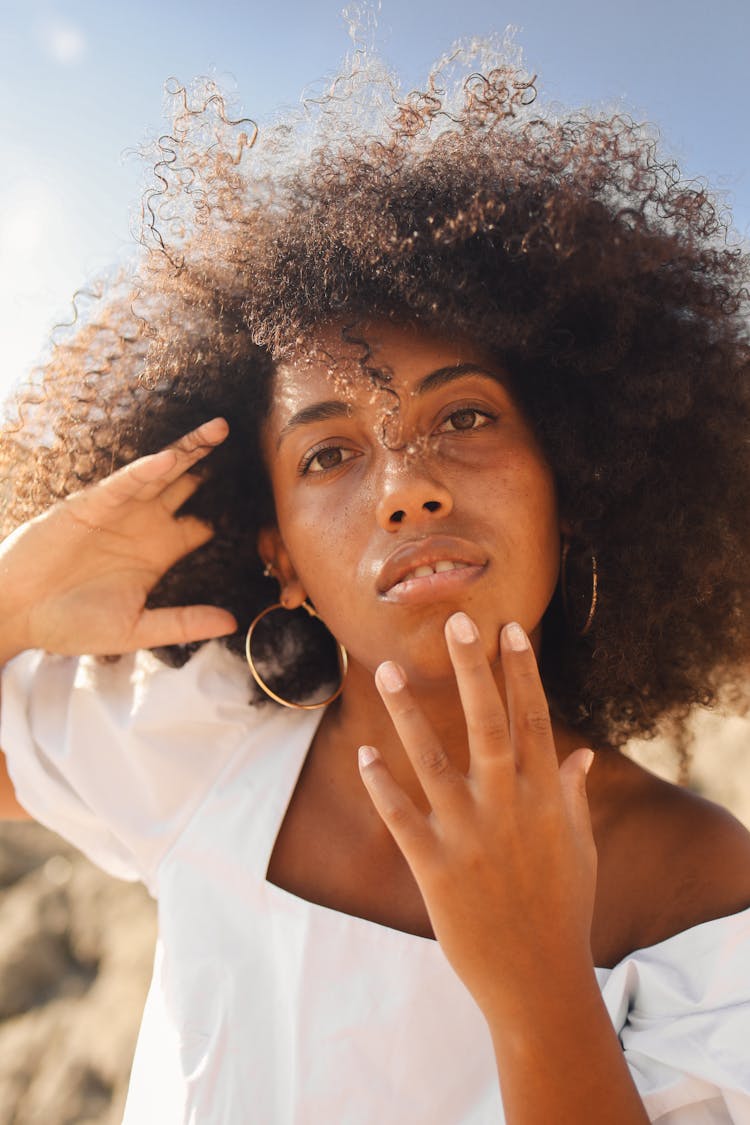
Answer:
[(528, 500), (323, 547), (524, 491), (328, 522)]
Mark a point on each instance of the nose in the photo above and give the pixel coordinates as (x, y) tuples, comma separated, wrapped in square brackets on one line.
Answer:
[(409, 495)]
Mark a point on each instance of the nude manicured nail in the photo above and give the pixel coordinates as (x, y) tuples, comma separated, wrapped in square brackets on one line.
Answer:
[(390, 677), (462, 628), (515, 637), (366, 754)]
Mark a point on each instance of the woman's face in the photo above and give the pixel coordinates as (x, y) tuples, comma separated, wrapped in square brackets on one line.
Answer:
[(398, 507)]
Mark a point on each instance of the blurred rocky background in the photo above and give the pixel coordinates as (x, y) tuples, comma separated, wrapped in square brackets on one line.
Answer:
[(76, 949), (75, 955)]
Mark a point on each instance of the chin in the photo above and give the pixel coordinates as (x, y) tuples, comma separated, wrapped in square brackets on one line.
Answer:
[(425, 658), (431, 673)]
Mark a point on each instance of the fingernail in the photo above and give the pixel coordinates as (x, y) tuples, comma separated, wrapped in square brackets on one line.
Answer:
[(462, 628), (515, 637), (366, 755), (390, 677), (588, 761)]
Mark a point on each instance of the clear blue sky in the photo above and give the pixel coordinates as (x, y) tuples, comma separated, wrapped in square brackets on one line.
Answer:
[(81, 82)]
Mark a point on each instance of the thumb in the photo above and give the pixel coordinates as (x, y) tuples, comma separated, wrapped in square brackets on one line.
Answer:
[(573, 774), (181, 625)]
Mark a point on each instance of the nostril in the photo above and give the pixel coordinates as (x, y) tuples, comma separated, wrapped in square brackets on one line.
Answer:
[(399, 514)]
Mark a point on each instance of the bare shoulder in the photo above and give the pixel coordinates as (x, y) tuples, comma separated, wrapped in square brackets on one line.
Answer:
[(672, 858)]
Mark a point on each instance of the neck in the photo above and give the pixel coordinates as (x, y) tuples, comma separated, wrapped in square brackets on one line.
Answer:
[(359, 717)]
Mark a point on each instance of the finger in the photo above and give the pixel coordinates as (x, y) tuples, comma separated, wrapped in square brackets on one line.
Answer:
[(186, 452), (192, 447), (149, 476), (442, 783), (528, 711), (180, 625), (188, 533), (177, 494), (486, 719), (407, 825), (573, 775)]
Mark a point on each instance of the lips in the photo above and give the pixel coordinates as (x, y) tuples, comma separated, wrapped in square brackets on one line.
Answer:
[(423, 558)]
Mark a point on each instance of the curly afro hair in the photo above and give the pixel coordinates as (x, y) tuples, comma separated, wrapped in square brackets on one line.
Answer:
[(609, 288)]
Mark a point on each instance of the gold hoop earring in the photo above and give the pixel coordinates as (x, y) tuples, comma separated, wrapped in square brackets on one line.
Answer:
[(343, 660), (564, 589)]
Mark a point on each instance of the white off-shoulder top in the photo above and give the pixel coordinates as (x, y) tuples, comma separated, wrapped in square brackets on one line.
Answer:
[(268, 1009)]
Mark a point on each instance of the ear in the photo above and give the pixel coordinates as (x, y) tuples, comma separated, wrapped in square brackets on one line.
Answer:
[(273, 553)]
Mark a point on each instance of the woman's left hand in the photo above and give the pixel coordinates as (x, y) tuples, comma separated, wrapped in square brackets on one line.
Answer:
[(505, 858)]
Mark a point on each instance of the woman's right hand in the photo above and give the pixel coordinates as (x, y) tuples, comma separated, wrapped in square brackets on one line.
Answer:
[(76, 578)]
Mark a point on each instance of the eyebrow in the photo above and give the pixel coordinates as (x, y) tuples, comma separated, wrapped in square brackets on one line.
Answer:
[(445, 375), (335, 408), (317, 412)]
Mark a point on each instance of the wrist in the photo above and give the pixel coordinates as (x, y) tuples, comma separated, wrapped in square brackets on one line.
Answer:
[(542, 998), (559, 1057), (528, 967)]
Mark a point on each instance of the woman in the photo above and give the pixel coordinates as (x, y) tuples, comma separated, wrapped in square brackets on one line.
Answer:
[(466, 368)]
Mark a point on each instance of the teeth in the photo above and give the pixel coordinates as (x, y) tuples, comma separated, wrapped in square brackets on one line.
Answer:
[(439, 568)]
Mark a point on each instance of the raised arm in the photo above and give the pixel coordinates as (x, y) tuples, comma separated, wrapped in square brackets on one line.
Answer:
[(76, 578)]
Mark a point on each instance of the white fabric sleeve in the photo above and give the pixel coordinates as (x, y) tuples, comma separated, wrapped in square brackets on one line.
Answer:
[(682, 1010), (116, 757)]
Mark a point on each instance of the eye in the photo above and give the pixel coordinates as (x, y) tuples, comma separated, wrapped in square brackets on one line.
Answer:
[(329, 457), (464, 419)]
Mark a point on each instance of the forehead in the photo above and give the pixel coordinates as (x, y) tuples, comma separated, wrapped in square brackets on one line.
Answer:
[(359, 365)]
